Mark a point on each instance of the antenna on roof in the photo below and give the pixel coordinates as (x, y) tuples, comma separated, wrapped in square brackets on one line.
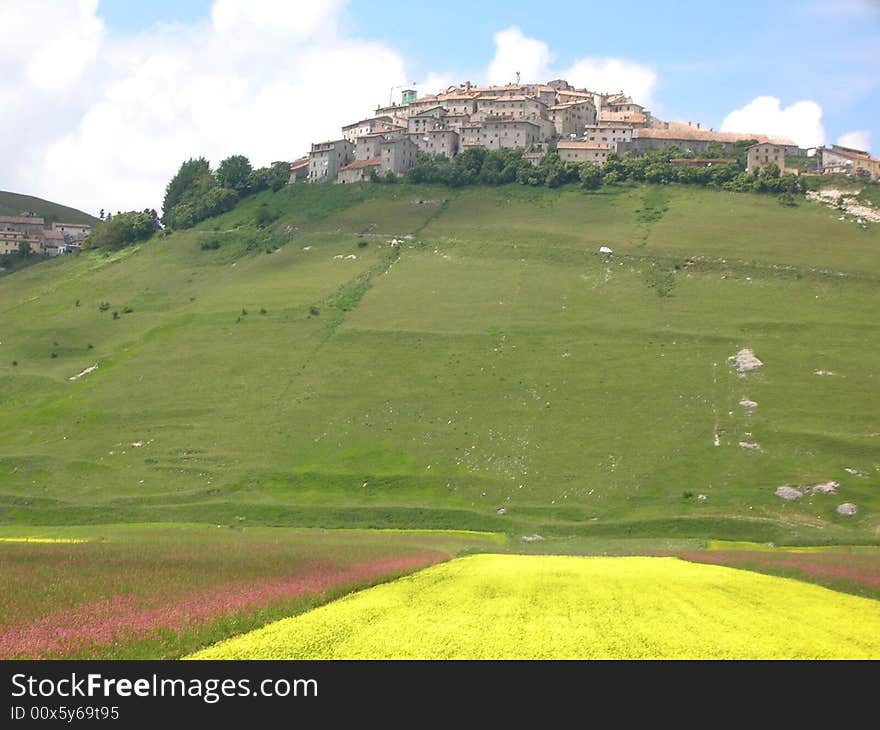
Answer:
[(517, 78)]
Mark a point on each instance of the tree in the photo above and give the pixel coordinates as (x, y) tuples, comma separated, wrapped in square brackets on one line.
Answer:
[(591, 176), (279, 175), (233, 173), (193, 174), (123, 229), (715, 149), (24, 249), (101, 214)]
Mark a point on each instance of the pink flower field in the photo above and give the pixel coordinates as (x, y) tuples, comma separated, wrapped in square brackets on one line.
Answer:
[(104, 599), (854, 572)]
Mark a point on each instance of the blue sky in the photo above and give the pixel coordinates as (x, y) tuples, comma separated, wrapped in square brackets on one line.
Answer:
[(710, 57), (123, 90)]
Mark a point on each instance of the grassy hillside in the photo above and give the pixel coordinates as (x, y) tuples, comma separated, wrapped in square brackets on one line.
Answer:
[(493, 371), (15, 203)]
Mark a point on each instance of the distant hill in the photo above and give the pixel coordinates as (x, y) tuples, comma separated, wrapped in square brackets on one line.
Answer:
[(15, 203)]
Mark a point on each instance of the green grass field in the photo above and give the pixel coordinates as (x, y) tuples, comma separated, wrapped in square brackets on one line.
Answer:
[(563, 607), (491, 372)]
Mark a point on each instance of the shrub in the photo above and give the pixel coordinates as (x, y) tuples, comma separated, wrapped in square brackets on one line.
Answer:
[(264, 216), (314, 311), (363, 244), (123, 229), (127, 310), (210, 244), (104, 306), (54, 355), (15, 363), (115, 315)]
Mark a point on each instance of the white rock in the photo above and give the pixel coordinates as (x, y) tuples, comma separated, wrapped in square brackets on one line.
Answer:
[(788, 493), (531, 538), (825, 488), (605, 249), (746, 403), (745, 360), (749, 445), (847, 508)]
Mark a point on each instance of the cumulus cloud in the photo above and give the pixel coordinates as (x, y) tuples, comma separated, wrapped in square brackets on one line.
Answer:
[(859, 139), (514, 51), (614, 74), (108, 127), (800, 122)]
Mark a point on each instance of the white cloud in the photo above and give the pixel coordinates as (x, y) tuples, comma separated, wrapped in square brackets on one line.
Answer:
[(859, 139), (612, 75), (800, 122), (263, 78), (515, 51)]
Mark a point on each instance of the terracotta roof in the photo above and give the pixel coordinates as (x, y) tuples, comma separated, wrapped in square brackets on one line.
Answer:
[(53, 235), (634, 117), (381, 117), (692, 134), (508, 120), (578, 145), (33, 220), (516, 97), (87, 225), (425, 112), (298, 164), (360, 164), (850, 152)]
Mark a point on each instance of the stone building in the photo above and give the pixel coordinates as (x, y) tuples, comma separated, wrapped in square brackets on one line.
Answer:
[(579, 151), (513, 107), (498, 132), (848, 160), (397, 155), (763, 154), (429, 119), (327, 158), (30, 225), (359, 170), (606, 133), (11, 240), (382, 123), (443, 142), (572, 118), (73, 232), (299, 170), (53, 243), (690, 138)]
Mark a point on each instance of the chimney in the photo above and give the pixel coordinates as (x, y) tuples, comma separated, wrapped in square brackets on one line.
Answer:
[(698, 125)]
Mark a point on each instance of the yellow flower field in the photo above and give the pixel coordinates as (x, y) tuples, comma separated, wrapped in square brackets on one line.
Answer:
[(559, 607)]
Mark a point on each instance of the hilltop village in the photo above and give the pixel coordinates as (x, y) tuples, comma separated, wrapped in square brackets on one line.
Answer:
[(582, 126)]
